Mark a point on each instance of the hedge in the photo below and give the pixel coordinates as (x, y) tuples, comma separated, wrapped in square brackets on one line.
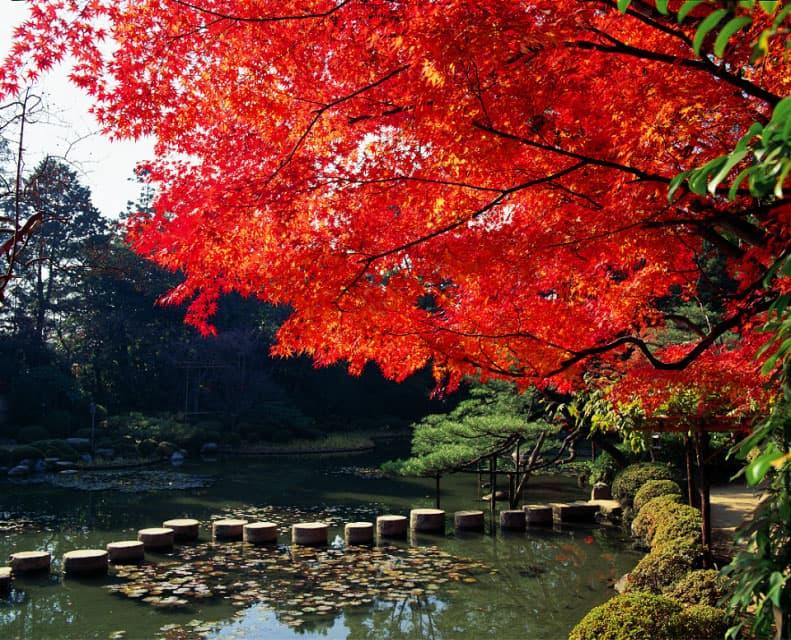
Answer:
[(632, 478), (653, 489)]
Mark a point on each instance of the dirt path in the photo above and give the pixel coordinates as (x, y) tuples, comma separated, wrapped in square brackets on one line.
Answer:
[(732, 504)]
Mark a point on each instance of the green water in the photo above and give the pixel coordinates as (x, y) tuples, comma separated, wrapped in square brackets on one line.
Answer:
[(533, 585)]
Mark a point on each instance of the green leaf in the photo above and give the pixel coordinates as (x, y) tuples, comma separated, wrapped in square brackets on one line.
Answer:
[(769, 6), (731, 27), (675, 183), (781, 16), (711, 21), (623, 5), (661, 6), (686, 8), (733, 191), (786, 164), (759, 467), (733, 159)]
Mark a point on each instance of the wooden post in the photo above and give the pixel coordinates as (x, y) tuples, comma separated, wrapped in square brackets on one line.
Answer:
[(690, 472), (701, 442), (493, 489), (480, 480), (593, 451), (436, 493)]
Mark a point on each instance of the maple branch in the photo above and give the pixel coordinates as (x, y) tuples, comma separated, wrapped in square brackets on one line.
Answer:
[(619, 47), (326, 107), (609, 164), (285, 18)]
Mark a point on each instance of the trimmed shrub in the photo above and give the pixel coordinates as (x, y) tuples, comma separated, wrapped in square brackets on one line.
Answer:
[(679, 524), (653, 489), (665, 566), (703, 622), (32, 433), (25, 452), (704, 586), (653, 512), (631, 616), (628, 482), (146, 448), (56, 449)]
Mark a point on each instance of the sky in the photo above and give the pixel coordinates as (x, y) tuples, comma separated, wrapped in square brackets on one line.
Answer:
[(69, 129)]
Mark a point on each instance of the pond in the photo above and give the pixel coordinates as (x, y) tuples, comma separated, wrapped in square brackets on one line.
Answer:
[(533, 585)]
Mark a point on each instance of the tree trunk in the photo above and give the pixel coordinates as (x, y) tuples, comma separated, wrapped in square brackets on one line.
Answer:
[(701, 443)]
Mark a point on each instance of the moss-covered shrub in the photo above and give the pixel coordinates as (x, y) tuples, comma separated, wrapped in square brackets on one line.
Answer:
[(631, 616), (703, 622), (147, 447), (25, 452), (32, 433), (56, 449), (630, 480), (704, 586), (677, 524), (653, 512), (666, 565), (653, 489)]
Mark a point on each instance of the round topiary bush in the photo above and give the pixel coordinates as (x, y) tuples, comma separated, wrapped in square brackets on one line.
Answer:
[(681, 523), (703, 622), (628, 482), (704, 586), (653, 512), (146, 448), (665, 566), (32, 433), (25, 452), (631, 616), (653, 489)]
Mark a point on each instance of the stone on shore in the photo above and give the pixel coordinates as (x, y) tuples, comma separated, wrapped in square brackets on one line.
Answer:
[(260, 533), (574, 511), (126, 552), (601, 491), (29, 561), (157, 538), (358, 533), (309, 533), (391, 526), (85, 562)]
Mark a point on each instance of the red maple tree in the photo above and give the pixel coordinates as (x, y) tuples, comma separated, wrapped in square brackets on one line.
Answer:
[(478, 185)]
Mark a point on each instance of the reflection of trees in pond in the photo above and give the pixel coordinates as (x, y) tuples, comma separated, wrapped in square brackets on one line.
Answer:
[(413, 617)]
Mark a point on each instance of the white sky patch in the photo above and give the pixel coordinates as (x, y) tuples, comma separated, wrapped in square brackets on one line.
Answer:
[(68, 129)]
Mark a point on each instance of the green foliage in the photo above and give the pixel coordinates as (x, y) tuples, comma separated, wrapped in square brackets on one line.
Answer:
[(32, 433), (682, 523), (604, 468), (653, 513), (653, 489), (704, 622), (491, 421), (57, 449), (665, 565), (632, 616), (761, 572), (704, 586), (628, 482), (25, 452)]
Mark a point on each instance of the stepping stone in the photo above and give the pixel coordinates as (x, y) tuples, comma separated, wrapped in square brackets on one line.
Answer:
[(260, 533), (29, 561), (468, 520), (608, 507), (391, 526), (85, 562), (5, 579), (228, 529), (427, 520), (358, 533), (574, 511), (157, 538), (538, 514), (126, 552), (309, 533), (184, 529), (513, 520), (601, 491)]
